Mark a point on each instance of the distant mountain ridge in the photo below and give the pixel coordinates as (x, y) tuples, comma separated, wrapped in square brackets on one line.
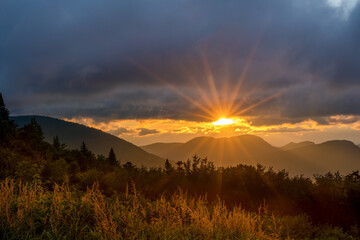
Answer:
[(72, 134), (305, 158), (292, 145), (214, 148)]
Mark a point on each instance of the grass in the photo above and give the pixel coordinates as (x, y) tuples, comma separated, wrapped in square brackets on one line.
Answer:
[(31, 212)]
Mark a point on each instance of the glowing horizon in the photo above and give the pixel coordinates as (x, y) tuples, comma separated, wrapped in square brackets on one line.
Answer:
[(223, 121), (147, 131)]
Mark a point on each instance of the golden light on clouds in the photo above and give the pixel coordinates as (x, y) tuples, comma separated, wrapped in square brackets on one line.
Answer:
[(145, 131), (217, 110)]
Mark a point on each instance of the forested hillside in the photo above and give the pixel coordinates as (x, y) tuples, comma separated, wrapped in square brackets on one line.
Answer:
[(73, 134), (49, 191)]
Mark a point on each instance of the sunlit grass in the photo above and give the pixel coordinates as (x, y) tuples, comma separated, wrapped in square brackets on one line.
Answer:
[(28, 211)]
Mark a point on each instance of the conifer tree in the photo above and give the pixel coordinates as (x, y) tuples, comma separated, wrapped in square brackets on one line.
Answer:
[(84, 148), (7, 128), (112, 157), (168, 166), (56, 143), (4, 112), (32, 131), (87, 158)]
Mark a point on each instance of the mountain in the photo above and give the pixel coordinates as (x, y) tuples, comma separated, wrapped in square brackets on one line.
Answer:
[(332, 155), (244, 149), (222, 151), (72, 134), (305, 158), (292, 145)]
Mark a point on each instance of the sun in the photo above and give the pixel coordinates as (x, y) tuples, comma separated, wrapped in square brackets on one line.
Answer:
[(223, 121)]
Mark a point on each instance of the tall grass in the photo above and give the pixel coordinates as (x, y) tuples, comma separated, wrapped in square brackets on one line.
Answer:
[(30, 212)]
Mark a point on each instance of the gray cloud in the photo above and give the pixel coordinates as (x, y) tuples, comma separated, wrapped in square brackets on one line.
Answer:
[(98, 59), (286, 130), (145, 131), (120, 131)]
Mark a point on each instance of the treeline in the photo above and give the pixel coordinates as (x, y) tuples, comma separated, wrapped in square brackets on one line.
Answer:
[(25, 156)]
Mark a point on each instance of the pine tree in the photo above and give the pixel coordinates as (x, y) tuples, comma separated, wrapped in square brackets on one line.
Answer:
[(168, 166), (56, 143), (84, 148), (112, 158), (32, 131), (4, 112)]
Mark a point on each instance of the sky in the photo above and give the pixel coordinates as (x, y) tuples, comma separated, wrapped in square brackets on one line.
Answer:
[(165, 71)]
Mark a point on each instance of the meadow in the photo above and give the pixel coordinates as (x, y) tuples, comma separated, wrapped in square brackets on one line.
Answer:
[(28, 211)]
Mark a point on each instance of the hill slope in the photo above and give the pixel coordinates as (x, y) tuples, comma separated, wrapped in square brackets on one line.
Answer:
[(222, 151), (72, 134), (298, 158), (292, 145), (332, 155)]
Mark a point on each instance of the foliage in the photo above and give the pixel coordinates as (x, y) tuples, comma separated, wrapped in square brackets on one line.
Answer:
[(112, 158), (4, 112), (56, 192), (32, 212)]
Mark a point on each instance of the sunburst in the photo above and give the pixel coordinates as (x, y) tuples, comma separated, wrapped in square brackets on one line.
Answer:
[(213, 103), (223, 121)]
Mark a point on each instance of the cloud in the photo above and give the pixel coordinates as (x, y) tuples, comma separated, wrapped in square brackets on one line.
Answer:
[(285, 130), (137, 59), (120, 131), (338, 119), (145, 131)]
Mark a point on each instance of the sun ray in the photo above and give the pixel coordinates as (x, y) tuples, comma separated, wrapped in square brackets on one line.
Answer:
[(197, 147), (244, 150), (236, 108), (244, 72), (207, 117), (204, 96), (213, 103), (211, 81), (180, 93), (260, 102)]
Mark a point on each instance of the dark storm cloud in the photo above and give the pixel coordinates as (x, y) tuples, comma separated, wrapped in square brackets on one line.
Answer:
[(99, 59)]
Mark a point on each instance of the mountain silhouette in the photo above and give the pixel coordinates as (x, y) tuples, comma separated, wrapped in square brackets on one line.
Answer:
[(305, 158), (222, 151), (332, 155), (292, 145), (72, 134)]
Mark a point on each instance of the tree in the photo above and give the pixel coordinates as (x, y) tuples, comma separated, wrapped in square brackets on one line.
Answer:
[(179, 168), (112, 158), (84, 148), (56, 143), (4, 112), (195, 163), (87, 159), (168, 166), (187, 166), (129, 166), (7, 127), (32, 131)]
